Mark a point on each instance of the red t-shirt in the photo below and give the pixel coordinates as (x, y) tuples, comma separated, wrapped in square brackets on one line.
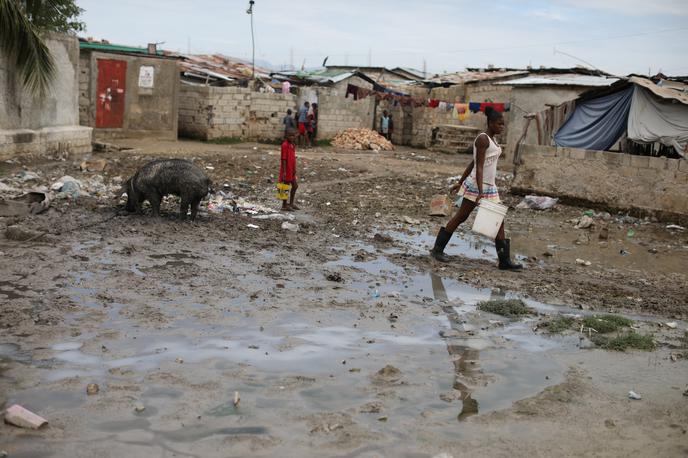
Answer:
[(288, 154)]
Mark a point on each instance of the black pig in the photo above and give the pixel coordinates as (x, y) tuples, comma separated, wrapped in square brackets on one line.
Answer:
[(161, 177)]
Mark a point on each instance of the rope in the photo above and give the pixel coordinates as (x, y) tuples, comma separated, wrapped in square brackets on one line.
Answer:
[(83, 226)]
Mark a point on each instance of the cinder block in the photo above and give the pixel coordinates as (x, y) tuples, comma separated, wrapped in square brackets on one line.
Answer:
[(640, 161), (682, 165), (658, 163)]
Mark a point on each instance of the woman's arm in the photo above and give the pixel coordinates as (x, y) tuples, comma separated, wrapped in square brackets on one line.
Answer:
[(481, 145)]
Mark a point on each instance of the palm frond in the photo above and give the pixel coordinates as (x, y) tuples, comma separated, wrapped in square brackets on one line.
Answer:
[(25, 49)]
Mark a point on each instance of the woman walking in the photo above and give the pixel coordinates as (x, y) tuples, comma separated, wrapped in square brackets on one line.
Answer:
[(476, 183)]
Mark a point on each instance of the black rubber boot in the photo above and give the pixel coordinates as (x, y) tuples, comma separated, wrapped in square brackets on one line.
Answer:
[(441, 241), (504, 255)]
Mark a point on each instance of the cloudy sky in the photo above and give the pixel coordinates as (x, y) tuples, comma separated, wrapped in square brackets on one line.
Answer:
[(619, 36)]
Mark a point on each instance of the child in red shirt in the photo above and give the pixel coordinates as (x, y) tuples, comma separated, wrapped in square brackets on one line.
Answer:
[(287, 173)]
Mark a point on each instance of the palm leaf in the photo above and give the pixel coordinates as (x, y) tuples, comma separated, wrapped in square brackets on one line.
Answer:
[(26, 50)]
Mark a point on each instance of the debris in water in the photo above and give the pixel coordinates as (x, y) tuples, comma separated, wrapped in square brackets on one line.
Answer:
[(92, 388), (671, 324), (633, 395), (335, 277), (237, 399), (139, 407), (19, 416), (583, 262)]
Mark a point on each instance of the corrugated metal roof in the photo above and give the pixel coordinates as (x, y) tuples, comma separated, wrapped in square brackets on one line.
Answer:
[(474, 76), (561, 80), (663, 92), (109, 47), (320, 76)]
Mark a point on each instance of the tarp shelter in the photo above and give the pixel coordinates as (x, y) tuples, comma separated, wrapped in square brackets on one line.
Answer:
[(646, 112)]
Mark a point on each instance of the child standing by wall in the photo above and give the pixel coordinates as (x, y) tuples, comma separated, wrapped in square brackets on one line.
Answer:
[(287, 173)]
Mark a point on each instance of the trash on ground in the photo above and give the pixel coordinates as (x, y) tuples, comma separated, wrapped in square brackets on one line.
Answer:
[(361, 139), (671, 325), (25, 175), (92, 388), (633, 395), (538, 202), (19, 416), (31, 203), (287, 226), (630, 233), (252, 226), (675, 227), (584, 222), (237, 399), (93, 165), (139, 407), (409, 220), (440, 205), (583, 262)]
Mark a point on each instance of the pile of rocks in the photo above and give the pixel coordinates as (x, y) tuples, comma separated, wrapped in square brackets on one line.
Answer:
[(361, 139)]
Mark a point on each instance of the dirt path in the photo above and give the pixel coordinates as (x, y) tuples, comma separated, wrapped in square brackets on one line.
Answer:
[(342, 339)]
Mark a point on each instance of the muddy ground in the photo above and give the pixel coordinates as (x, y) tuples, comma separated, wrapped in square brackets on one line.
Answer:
[(341, 339)]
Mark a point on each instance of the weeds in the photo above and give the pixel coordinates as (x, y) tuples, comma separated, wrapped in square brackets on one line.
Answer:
[(323, 142), (558, 324), (606, 323), (625, 341), (506, 307)]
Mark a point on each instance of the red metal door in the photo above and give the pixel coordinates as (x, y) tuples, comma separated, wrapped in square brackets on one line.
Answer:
[(112, 78)]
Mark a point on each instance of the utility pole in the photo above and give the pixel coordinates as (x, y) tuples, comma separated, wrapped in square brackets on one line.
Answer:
[(249, 11)]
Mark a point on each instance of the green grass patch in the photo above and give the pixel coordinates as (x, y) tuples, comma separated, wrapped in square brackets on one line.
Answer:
[(506, 307), (225, 141), (606, 323), (558, 324), (624, 341)]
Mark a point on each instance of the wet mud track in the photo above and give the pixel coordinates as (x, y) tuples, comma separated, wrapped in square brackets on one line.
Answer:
[(389, 357)]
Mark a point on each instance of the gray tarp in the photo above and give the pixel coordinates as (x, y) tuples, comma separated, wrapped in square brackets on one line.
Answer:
[(652, 119), (598, 123)]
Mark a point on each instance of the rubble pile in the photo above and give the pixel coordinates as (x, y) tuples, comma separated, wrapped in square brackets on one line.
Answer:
[(361, 139)]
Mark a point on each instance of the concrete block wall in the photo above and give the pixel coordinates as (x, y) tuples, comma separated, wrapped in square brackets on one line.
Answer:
[(615, 180), (86, 109), (337, 113), (48, 124), (214, 112)]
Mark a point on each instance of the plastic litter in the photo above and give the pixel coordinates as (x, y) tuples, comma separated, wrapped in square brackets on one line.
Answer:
[(252, 226), (538, 202), (290, 226), (633, 395), (584, 222), (583, 262), (671, 324), (630, 233)]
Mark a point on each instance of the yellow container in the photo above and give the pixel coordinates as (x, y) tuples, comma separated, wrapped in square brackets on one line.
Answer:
[(283, 191)]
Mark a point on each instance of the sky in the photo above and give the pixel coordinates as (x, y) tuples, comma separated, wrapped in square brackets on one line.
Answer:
[(617, 36)]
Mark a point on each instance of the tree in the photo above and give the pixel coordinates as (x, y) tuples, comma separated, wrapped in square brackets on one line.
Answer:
[(22, 25)]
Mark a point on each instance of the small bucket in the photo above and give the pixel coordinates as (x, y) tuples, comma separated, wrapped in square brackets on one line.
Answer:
[(489, 218), (283, 191)]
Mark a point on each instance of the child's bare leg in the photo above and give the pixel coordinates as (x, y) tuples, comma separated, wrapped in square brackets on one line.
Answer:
[(294, 187)]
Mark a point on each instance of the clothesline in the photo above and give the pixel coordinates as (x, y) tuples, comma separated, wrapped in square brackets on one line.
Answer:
[(457, 108)]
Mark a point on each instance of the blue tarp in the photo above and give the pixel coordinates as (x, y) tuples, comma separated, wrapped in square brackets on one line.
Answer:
[(598, 123)]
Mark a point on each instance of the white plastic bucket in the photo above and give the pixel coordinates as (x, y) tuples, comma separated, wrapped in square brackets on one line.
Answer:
[(489, 218)]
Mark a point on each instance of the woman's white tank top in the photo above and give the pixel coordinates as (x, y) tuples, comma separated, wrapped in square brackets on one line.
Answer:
[(491, 155)]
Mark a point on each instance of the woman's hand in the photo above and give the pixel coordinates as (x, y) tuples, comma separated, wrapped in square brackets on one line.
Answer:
[(454, 189), (477, 199)]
